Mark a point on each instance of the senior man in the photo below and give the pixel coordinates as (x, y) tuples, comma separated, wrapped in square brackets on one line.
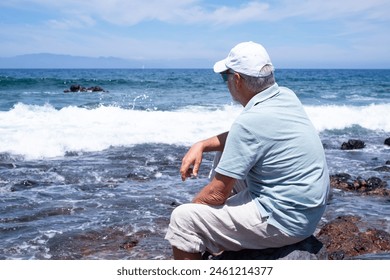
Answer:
[(273, 150)]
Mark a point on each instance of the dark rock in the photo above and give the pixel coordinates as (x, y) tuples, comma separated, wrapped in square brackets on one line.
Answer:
[(175, 204), (383, 169), (343, 239), (388, 162), (353, 144), (377, 256), (129, 244), (82, 244), (309, 249), (79, 88), (23, 185), (76, 88), (95, 89), (387, 141), (140, 177), (373, 183), (371, 186), (336, 240), (7, 165)]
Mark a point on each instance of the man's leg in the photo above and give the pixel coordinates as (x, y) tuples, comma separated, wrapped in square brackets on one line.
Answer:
[(237, 225)]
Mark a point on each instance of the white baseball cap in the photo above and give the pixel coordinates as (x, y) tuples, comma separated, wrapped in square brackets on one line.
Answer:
[(246, 58)]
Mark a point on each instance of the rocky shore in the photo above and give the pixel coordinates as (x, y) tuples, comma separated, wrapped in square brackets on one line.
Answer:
[(339, 239), (345, 237)]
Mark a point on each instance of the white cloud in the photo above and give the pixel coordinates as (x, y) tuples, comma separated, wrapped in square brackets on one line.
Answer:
[(220, 15), (357, 28), (323, 10), (131, 12), (122, 12), (81, 21)]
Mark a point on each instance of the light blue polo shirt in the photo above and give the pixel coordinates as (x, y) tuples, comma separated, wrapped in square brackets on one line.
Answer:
[(275, 148)]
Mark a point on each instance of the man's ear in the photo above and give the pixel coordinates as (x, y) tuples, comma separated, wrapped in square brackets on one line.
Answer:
[(238, 81)]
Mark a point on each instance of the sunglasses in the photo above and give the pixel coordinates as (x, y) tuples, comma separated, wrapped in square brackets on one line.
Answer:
[(225, 75)]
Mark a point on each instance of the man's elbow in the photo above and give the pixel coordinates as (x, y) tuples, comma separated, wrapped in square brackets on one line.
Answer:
[(215, 199)]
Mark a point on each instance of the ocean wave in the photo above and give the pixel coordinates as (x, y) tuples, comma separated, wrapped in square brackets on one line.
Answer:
[(44, 131), (330, 117)]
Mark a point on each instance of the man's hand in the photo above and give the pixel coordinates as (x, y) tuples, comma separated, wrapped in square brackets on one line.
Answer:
[(191, 161), (193, 158)]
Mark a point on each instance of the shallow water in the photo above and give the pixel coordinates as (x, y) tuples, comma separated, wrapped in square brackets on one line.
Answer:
[(99, 205)]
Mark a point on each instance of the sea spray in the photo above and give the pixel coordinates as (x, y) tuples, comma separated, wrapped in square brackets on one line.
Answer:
[(44, 131)]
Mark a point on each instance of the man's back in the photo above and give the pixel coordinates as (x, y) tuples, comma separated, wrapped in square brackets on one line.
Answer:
[(274, 146)]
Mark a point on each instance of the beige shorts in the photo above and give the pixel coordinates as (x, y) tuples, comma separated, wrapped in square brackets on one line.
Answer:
[(234, 226)]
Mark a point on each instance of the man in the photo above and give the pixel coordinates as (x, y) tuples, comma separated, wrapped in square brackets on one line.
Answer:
[(274, 149)]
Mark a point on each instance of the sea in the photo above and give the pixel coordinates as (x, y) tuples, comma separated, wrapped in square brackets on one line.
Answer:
[(95, 175)]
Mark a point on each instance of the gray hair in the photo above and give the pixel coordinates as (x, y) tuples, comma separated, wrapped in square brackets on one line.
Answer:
[(257, 84)]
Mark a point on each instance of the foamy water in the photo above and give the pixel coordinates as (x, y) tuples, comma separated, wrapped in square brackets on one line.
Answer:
[(43, 131), (372, 117)]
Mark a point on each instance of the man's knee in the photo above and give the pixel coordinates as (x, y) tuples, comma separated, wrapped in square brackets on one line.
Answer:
[(181, 216)]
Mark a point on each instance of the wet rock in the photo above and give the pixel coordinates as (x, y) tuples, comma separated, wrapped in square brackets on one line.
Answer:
[(79, 88), (370, 186), (353, 144), (383, 169), (387, 141), (84, 244), (23, 185), (175, 204), (377, 256), (75, 88), (139, 177), (388, 162), (129, 244), (95, 89), (72, 154), (343, 239), (7, 165), (309, 249)]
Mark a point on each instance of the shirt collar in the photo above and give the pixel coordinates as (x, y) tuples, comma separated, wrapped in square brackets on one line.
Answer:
[(262, 96)]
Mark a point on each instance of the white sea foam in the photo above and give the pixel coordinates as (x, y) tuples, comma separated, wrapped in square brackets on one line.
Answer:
[(43, 131), (374, 117)]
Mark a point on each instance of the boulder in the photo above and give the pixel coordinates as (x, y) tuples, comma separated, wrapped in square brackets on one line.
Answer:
[(353, 144), (309, 249), (387, 141), (82, 244), (370, 186), (336, 240), (95, 89), (79, 88), (383, 168), (343, 239)]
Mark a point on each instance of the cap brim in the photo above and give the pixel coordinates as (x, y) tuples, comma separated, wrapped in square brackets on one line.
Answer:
[(220, 66)]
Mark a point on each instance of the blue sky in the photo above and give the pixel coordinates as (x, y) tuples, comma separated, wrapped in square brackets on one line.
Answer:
[(296, 33)]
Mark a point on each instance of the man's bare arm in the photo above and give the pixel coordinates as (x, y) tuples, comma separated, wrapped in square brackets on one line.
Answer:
[(217, 191), (193, 158)]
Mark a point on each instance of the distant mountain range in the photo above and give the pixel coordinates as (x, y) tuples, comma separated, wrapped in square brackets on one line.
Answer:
[(47, 60)]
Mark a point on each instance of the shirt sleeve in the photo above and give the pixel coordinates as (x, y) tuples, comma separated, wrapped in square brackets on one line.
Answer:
[(242, 151)]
